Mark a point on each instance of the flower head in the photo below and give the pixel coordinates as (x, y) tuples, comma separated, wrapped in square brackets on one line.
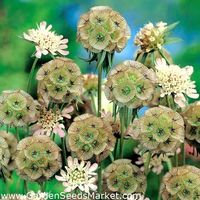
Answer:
[(17, 108), (103, 29), (160, 129), (181, 183), (124, 177), (88, 136), (130, 83), (153, 37), (191, 115), (46, 41), (90, 82), (176, 81), (8, 148), (50, 121), (60, 80), (78, 175), (38, 158)]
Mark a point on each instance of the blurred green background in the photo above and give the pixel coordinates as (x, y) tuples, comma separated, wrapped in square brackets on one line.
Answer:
[(17, 16)]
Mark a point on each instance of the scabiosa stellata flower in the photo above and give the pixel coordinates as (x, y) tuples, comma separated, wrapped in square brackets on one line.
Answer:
[(124, 177), (175, 81), (130, 83), (8, 148), (59, 81), (17, 108), (46, 41), (191, 115), (152, 37), (181, 183), (78, 175), (88, 136), (38, 158), (51, 121), (90, 83), (160, 129), (103, 29)]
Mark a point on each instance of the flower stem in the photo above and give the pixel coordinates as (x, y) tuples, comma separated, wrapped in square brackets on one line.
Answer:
[(25, 187), (42, 186), (99, 90), (64, 151), (122, 123), (93, 103), (161, 53), (146, 164), (111, 157), (100, 178), (183, 153), (169, 165), (176, 159), (31, 75), (17, 133)]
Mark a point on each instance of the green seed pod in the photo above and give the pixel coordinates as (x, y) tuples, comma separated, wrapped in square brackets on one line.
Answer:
[(123, 177), (60, 81), (160, 129), (130, 83), (38, 158), (17, 108), (181, 183), (102, 29), (88, 135)]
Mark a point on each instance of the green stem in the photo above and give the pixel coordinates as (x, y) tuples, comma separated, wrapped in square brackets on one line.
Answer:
[(25, 187), (42, 186), (17, 133), (93, 103), (161, 53), (99, 89), (100, 178), (169, 165), (122, 122), (7, 128), (111, 157), (146, 164), (183, 153), (64, 151), (31, 75), (176, 159)]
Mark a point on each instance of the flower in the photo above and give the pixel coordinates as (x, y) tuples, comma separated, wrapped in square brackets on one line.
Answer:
[(181, 183), (152, 37), (38, 158), (102, 29), (88, 136), (191, 115), (124, 177), (174, 80), (50, 121), (17, 108), (8, 148), (130, 83), (160, 130), (46, 41), (90, 82), (59, 81), (78, 175)]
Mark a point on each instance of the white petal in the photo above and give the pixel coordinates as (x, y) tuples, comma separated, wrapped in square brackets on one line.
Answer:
[(93, 187), (60, 178), (93, 167), (70, 161), (180, 100)]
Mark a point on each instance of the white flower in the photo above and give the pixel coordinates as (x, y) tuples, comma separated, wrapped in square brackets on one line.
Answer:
[(78, 175), (175, 80), (46, 41)]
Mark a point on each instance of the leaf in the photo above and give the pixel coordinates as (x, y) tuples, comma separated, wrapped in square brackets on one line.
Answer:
[(101, 58), (171, 27), (171, 40)]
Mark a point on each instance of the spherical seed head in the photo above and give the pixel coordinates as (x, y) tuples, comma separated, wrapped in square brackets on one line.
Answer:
[(102, 29), (160, 129), (17, 108), (124, 177), (38, 158), (88, 136), (60, 80), (8, 146), (181, 183), (130, 83)]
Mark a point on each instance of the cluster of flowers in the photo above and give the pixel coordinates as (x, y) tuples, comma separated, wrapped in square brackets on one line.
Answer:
[(89, 138)]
